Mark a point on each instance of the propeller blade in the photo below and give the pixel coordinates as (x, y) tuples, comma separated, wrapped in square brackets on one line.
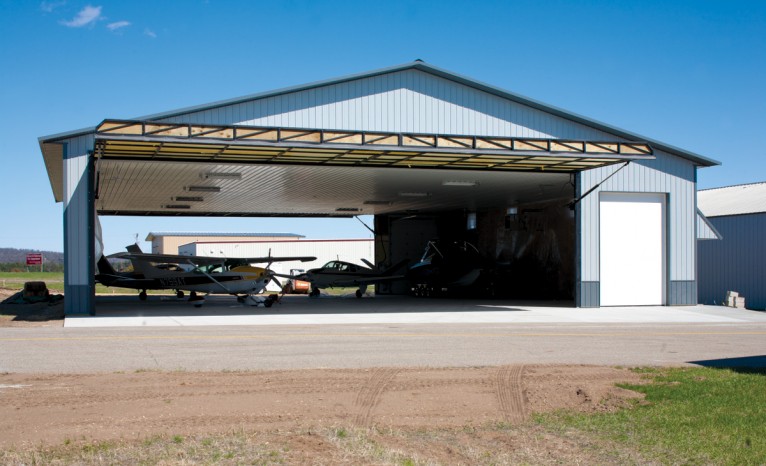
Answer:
[(272, 278), (279, 284)]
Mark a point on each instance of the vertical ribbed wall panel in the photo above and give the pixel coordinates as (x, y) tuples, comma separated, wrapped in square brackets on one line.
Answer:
[(667, 174), (704, 231), (78, 227), (75, 206), (404, 101), (735, 263)]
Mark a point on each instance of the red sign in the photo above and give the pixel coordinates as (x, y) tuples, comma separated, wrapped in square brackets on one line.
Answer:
[(34, 259)]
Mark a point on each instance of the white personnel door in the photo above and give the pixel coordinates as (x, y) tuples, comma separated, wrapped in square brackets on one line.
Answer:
[(632, 255)]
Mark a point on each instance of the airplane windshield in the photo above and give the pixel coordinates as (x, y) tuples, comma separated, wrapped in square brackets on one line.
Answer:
[(213, 268), (337, 266)]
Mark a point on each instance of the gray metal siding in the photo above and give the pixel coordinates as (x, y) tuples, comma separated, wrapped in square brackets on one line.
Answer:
[(682, 293), (735, 263), (404, 101), (588, 294), (704, 231), (667, 174), (78, 224)]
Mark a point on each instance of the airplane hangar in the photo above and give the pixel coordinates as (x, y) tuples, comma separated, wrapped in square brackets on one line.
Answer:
[(573, 207)]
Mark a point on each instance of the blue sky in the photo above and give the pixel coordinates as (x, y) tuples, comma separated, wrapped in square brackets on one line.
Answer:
[(688, 73)]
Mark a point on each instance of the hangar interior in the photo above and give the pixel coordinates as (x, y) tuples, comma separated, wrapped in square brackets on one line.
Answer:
[(511, 187)]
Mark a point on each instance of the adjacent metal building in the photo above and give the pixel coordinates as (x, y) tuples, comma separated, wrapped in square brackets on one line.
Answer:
[(423, 150), (169, 242), (737, 261)]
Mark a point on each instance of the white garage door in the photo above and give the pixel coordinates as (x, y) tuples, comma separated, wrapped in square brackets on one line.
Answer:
[(632, 232)]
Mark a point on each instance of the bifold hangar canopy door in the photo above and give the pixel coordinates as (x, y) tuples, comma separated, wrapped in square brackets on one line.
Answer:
[(633, 249)]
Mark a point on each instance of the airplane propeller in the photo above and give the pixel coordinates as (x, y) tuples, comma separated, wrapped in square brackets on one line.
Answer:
[(273, 278)]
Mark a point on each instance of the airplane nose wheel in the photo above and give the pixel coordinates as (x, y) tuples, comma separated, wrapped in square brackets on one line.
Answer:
[(142, 295)]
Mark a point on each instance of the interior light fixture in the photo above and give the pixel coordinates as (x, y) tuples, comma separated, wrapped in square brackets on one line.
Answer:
[(177, 206), (204, 189), (377, 202), (460, 183), (221, 176), (347, 209), (188, 198), (414, 194)]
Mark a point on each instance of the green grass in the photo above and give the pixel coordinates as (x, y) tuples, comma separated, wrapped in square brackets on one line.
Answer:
[(694, 416), (55, 281), (15, 280)]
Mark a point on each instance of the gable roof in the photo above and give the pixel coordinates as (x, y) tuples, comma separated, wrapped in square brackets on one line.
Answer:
[(424, 67), (733, 200)]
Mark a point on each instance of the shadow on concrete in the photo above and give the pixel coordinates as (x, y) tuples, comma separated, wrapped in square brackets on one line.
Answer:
[(166, 306), (747, 364)]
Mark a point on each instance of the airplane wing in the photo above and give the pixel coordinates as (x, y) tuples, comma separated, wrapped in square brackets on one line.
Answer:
[(253, 260), (205, 260), (175, 258)]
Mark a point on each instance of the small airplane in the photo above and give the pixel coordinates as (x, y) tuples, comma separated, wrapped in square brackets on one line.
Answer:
[(196, 274), (446, 266), (338, 274)]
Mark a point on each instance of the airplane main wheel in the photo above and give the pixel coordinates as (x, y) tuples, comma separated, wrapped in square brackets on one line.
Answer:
[(179, 294), (358, 293), (142, 296), (314, 292)]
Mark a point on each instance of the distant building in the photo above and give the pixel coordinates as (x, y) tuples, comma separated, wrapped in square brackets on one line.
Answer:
[(168, 243), (736, 262)]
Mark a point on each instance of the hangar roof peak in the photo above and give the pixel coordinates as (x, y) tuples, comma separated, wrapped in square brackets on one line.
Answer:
[(433, 70)]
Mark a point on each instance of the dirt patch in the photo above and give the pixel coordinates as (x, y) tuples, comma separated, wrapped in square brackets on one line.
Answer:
[(30, 315), (440, 414)]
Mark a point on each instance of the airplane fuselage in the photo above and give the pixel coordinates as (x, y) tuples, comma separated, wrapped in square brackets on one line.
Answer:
[(239, 280)]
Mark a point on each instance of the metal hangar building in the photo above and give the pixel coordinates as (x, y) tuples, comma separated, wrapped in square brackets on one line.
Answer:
[(579, 208), (736, 258)]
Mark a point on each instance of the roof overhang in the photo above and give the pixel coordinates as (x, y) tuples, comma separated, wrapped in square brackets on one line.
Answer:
[(149, 140), (163, 169)]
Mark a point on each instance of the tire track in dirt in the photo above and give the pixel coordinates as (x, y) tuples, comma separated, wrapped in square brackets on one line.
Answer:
[(370, 394), (510, 393)]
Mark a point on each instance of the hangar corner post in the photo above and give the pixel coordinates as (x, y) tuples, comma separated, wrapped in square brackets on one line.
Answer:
[(79, 221)]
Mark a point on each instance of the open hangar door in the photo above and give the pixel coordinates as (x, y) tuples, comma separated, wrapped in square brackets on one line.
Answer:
[(148, 168), (515, 228)]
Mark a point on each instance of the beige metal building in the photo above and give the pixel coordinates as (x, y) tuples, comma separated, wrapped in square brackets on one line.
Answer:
[(168, 243)]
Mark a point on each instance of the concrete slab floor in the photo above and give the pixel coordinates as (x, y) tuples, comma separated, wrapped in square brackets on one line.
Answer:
[(164, 311)]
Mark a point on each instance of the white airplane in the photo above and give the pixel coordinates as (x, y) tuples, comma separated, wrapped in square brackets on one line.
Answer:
[(196, 274)]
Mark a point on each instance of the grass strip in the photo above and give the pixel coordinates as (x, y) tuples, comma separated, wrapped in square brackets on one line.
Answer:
[(688, 416)]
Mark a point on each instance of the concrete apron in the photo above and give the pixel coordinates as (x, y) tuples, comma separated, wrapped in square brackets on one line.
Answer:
[(127, 311)]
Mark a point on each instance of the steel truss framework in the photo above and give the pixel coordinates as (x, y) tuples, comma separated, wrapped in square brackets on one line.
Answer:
[(149, 140)]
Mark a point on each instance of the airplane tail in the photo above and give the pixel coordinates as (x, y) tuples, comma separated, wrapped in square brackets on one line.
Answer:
[(104, 267), (138, 266)]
